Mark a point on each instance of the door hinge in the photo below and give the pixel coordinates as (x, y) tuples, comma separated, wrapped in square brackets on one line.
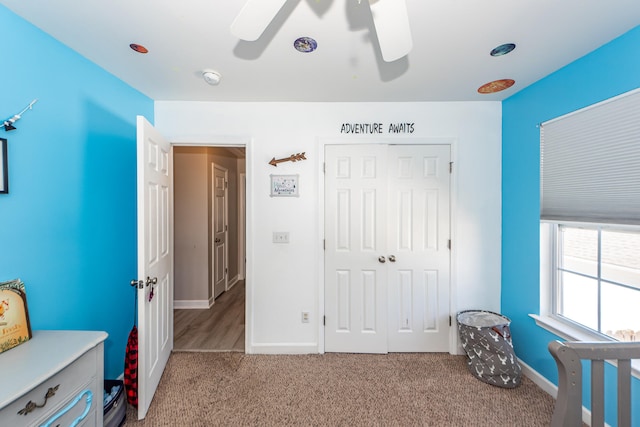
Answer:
[(324, 244), (226, 228), (324, 167), (226, 184), (226, 271), (324, 320), (449, 244), (450, 167), (449, 320)]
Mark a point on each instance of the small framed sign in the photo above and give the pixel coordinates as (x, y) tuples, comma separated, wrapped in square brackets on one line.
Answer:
[(284, 186), (4, 173), (15, 327)]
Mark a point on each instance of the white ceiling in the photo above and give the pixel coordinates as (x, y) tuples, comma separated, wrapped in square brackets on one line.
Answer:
[(449, 61)]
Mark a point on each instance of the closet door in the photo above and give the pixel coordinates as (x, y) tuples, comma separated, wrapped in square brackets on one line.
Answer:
[(355, 241), (386, 250), (419, 230)]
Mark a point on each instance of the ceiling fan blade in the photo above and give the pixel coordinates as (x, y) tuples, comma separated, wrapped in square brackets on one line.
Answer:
[(254, 18), (391, 20)]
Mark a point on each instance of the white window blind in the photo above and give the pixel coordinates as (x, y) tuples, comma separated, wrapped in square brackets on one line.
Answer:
[(590, 163)]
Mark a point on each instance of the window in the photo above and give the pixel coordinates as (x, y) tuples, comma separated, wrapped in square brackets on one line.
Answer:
[(596, 278), (590, 221)]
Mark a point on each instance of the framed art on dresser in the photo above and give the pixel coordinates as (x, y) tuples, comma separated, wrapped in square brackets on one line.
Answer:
[(15, 327)]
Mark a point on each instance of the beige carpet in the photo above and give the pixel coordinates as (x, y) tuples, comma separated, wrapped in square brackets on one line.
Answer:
[(234, 389)]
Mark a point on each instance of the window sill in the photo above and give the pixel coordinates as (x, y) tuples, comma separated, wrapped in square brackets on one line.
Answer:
[(570, 333)]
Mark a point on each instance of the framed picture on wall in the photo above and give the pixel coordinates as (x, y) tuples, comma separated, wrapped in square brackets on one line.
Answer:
[(4, 173), (284, 186)]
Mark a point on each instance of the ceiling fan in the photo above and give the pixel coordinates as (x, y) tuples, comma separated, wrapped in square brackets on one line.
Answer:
[(390, 19)]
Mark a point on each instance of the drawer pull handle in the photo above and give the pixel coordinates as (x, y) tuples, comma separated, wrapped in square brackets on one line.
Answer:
[(88, 397), (30, 406)]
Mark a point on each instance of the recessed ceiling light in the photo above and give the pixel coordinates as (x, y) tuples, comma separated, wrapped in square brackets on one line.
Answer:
[(305, 44), (212, 77), (138, 48), (496, 86), (503, 49)]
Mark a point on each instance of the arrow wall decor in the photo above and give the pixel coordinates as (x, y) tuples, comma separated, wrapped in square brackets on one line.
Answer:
[(292, 158)]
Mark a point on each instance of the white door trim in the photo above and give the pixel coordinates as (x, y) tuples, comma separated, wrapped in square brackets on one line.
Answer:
[(242, 212), (454, 346)]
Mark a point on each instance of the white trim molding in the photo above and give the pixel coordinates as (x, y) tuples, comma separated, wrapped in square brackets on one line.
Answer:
[(569, 333)]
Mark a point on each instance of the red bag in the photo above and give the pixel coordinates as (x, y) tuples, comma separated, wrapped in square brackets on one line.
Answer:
[(131, 356), (131, 368)]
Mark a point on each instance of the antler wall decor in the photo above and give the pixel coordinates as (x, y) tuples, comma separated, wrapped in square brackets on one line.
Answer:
[(292, 158)]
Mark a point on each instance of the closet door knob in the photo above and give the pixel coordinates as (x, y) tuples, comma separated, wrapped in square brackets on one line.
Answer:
[(392, 258), (381, 259)]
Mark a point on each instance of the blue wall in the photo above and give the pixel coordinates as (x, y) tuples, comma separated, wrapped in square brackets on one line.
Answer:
[(68, 224), (609, 71)]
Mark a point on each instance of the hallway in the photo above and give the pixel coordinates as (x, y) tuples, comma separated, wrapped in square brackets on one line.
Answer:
[(219, 328)]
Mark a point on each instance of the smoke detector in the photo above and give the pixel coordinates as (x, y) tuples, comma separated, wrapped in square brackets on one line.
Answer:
[(212, 77)]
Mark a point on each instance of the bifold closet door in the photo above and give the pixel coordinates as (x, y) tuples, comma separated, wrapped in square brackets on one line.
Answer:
[(386, 253)]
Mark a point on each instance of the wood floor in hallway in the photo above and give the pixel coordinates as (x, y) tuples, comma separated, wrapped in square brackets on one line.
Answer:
[(219, 328)]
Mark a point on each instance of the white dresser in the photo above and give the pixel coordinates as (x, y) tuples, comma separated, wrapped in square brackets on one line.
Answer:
[(54, 379)]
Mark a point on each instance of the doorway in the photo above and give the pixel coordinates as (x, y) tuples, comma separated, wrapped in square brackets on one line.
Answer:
[(209, 236), (387, 256)]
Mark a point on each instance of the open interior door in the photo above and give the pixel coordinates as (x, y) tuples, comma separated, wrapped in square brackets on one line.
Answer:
[(155, 260)]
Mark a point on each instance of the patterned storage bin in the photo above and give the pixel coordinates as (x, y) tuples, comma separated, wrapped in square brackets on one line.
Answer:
[(486, 338)]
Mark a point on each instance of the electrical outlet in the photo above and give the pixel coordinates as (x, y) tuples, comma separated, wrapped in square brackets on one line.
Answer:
[(280, 237), (305, 317)]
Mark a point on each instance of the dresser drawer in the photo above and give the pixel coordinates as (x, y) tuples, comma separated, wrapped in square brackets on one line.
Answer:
[(53, 394), (80, 411)]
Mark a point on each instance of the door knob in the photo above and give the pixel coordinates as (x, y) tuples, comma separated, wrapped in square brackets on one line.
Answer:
[(217, 240), (381, 259), (151, 281), (392, 258), (137, 283)]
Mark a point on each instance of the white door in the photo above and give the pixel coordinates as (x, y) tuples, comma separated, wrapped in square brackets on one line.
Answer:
[(355, 239), (386, 252), (418, 248), (219, 226), (155, 260)]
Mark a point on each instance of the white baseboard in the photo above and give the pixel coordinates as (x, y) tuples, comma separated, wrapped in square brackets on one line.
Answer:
[(235, 279), (192, 304), (283, 348), (550, 388), (546, 385), (201, 304)]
